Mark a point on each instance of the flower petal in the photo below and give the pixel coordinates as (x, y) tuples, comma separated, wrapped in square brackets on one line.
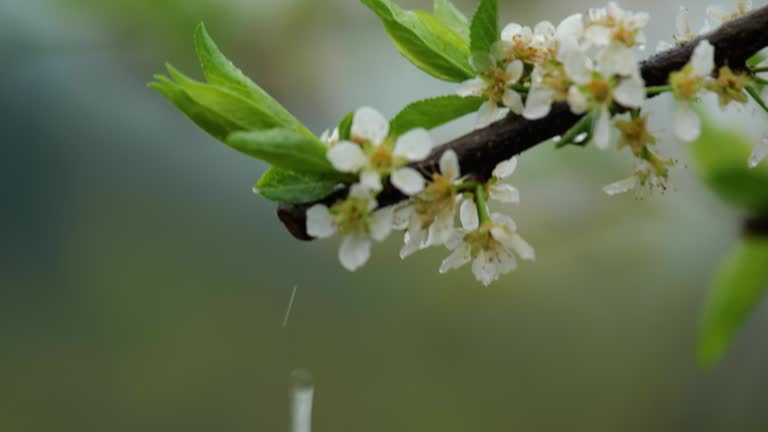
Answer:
[(371, 180), (355, 251), (320, 222), (514, 72), (402, 216), (347, 157), (413, 240), (408, 181), (472, 87), (513, 101), (414, 145), (703, 59), (618, 59), (539, 103), (370, 125), (468, 215), (510, 31), (621, 186), (577, 66), (630, 92), (603, 128), (506, 168), (569, 30), (504, 193), (460, 257), (489, 113), (577, 101), (449, 165), (521, 247), (382, 221), (484, 268), (687, 124), (505, 225)]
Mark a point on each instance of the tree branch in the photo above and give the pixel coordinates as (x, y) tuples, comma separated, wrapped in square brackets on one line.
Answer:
[(479, 151)]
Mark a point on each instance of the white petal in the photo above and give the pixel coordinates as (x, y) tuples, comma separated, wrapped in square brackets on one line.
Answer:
[(472, 87), (408, 181), (687, 124), (402, 217), (414, 145), (570, 29), (468, 215), (577, 101), (618, 59), (319, 222), (544, 29), (681, 22), (603, 129), (506, 262), (347, 157), (510, 31), (441, 229), (597, 35), (449, 165), (621, 186), (381, 223), (630, 92), (513, 101), (576, 65), (484, 268), (506, 225), (490, 113), (413, 240), (504, 193), (664, 46), (539, 103), (355, 251), (703, 59), (368, 124), (371, 180), (359, 191), (460, 257), (759, 153), (514, 72), (506, 168), (521, 247)]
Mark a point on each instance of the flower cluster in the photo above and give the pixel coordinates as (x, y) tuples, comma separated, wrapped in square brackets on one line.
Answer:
[(589, 62), (429, 216)]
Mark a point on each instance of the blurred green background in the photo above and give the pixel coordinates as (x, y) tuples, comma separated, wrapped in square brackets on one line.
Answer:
[(143, 285)]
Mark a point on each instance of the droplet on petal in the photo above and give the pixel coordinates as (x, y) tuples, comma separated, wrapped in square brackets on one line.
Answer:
[(408, 181), (759, 153), (621, 186)]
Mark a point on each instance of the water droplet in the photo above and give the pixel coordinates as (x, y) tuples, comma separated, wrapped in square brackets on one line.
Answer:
[(580, 138), (302, 392), (759, 153)]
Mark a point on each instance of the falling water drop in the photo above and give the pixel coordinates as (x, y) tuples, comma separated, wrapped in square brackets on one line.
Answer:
[(302, 393), (759, 152)]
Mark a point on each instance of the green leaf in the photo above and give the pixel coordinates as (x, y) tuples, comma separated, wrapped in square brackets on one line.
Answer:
[(226, 103), (345, 127), (431, 113), (288, 187), (452, 17), (220, 71), (425, 40), (484, 30), (740, 284), (283, 148), (721, 158), (218, 126), (756, 59)]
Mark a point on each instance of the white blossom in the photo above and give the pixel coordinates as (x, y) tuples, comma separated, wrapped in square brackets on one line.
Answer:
[(357, 223), (686, 88), (495, 87), (370, 153), (614, 24), (502, 192)]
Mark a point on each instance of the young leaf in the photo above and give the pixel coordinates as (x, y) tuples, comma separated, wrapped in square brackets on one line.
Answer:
[(425, 40), (484, 30), (220, 71), (283, 148), (226, 103), (739, 285), (722, 160), (219, 127), (431, 113), (288, 187), (452, 17), (345, 127)]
